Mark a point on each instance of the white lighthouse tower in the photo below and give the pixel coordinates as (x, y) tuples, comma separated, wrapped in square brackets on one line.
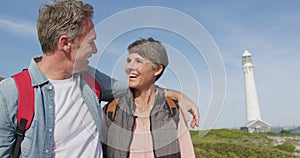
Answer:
[(254, 121)]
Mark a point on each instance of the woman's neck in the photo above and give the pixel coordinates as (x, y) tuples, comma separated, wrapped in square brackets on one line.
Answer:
[(146, 97)]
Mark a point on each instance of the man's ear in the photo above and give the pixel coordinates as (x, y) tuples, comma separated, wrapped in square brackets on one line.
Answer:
[(64, 43), (159, 70)]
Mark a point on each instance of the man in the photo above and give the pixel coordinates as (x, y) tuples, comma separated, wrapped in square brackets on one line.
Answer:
[(68, 118)]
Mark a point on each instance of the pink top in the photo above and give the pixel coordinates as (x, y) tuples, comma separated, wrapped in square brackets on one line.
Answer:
[(142, 146)]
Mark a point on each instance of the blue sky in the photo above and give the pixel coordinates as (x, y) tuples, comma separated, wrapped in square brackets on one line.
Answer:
[(269, 29)]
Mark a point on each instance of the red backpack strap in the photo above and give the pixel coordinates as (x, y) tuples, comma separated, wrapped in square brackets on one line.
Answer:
[(25, 108), (25, 97), (91, 81)]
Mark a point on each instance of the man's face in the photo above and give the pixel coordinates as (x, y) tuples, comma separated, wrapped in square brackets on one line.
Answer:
[(84, 46)]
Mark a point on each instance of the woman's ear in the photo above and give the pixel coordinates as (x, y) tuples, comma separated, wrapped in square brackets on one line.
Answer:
[(159, 70)]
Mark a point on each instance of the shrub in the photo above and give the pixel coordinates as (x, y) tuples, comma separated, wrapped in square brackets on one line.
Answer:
[(226, 143), (286, 147)]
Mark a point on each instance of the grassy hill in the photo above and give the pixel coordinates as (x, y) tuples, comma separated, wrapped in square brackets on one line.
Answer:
[(226, 143)]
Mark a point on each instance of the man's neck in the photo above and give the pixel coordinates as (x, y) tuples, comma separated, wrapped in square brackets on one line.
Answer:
[(55, 68)]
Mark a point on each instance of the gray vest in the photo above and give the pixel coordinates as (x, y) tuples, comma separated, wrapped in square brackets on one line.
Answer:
[(119, 133)]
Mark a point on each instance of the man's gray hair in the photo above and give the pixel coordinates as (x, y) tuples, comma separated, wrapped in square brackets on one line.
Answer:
[(62, 17)]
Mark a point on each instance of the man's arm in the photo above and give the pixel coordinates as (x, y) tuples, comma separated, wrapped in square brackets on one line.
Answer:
[(7, 132), (186, 106), (111, 88)]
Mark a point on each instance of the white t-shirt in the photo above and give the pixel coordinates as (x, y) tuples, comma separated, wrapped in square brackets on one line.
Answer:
[(75, 133)]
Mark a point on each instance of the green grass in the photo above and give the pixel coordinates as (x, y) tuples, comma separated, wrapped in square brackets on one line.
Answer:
[(226, 143)]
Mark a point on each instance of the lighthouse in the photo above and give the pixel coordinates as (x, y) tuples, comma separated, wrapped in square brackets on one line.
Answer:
[(254, 121)]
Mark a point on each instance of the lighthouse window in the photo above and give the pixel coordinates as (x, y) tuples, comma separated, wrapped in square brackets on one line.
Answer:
[(247, 60)]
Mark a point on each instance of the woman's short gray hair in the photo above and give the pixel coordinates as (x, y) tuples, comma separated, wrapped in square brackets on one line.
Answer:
[(152, 50)]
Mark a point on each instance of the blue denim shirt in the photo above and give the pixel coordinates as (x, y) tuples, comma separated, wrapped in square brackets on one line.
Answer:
[(38, 139)]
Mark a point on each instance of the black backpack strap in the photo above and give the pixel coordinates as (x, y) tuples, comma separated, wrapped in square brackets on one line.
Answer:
[(20, 134)]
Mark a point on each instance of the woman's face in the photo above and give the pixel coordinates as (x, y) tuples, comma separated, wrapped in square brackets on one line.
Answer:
[(140, 71)]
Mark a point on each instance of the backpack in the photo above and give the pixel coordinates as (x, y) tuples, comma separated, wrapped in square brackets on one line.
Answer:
[(26, 100), (111, 108)]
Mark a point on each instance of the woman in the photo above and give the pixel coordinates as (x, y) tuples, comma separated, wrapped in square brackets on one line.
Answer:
[(142, 124)]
